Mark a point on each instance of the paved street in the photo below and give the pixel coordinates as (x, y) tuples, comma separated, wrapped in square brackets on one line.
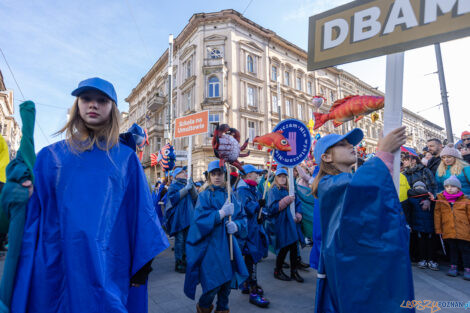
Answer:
[(166, 289)]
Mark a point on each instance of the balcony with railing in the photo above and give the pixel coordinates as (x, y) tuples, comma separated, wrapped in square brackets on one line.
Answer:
[(213, 62), (156, 102)]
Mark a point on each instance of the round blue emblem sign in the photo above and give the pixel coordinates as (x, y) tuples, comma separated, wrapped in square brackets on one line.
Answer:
[(298, 136)]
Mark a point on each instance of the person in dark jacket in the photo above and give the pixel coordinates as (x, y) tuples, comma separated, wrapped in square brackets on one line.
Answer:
[(435, 147), (422, 224), (421, 210)]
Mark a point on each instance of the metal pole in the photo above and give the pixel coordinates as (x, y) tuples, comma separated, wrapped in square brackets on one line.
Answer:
[(394, 104), (445, 103), (170, 88)]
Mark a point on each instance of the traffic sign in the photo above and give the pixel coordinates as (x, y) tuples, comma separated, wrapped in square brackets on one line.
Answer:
[(300, 140)]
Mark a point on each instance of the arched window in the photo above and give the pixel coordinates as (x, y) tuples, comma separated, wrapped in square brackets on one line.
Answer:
[(214, 87), (215, 54), (249, 64)]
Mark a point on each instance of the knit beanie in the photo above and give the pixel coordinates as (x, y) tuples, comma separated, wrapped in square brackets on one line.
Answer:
[(453, 181), (449, 150), (419, 184)]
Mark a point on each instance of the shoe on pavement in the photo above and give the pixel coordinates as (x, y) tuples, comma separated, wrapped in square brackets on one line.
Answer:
[(258, 300), (204, 310), (258, 290), (423, 264), (433, 265), (279, 274), (466, 274), (244, 288), (453, 271), (295, 276)]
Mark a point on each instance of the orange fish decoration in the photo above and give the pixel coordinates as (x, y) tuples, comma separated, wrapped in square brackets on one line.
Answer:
[(275, 141), (351, 107)]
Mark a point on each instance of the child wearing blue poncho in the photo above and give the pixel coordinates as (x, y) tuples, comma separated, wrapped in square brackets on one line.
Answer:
[(364, 262), (91, 231), (255, 246), (286, 227), (207, 245), (182, 196)]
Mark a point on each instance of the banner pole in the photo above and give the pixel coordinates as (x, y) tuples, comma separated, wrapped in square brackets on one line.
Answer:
[(266, 181), (190, 157), (393, 104), (291, 190)]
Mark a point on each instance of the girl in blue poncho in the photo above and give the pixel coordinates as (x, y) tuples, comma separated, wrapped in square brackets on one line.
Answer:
[(364, 262), (91, 230), (255, 246), (286, 227), (207, 245), (182, 196)]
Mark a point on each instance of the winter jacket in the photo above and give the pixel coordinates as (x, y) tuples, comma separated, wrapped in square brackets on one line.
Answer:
[(453, 222), (423, 174), (419, 220), (464, 178), (433, 164)]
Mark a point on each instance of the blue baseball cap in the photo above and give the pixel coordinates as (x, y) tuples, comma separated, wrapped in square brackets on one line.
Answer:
[(250, 168), (98, 84), (281, 171), (214, 165), (353, 137), (178, 170)]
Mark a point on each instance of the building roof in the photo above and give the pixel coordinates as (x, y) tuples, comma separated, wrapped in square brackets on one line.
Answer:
[(2, 83)]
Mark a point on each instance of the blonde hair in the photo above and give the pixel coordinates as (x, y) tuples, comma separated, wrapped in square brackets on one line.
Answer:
[(81, 137), (275, 183), (325, 169), (455, 169)]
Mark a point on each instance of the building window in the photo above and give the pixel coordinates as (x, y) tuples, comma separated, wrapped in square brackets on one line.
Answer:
[(300, 113), (252, 130), (160, 120), (286, 78), (310, 113), (250, 64), (159, 143), (288, 108), (275, 103), (188, 68), (214, 87), (299, 83), (250, 96), (215, 54), (274, 73), (188, 101), (214, 120), (332, 96), (309, 88)]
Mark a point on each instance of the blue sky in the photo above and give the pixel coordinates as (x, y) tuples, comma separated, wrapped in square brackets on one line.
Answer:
[(52, 45)]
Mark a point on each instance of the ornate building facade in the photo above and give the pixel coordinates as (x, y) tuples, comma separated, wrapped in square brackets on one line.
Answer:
[(246, 76), (9, 128)]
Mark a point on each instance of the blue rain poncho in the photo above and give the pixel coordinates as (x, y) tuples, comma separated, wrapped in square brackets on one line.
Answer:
[(256, 243), (364, 252), (207, 245), (90, 226), (285, 229), (179, 214)]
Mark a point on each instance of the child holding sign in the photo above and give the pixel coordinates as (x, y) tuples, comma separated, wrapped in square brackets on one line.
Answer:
[(364, 263), (286, 227)]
